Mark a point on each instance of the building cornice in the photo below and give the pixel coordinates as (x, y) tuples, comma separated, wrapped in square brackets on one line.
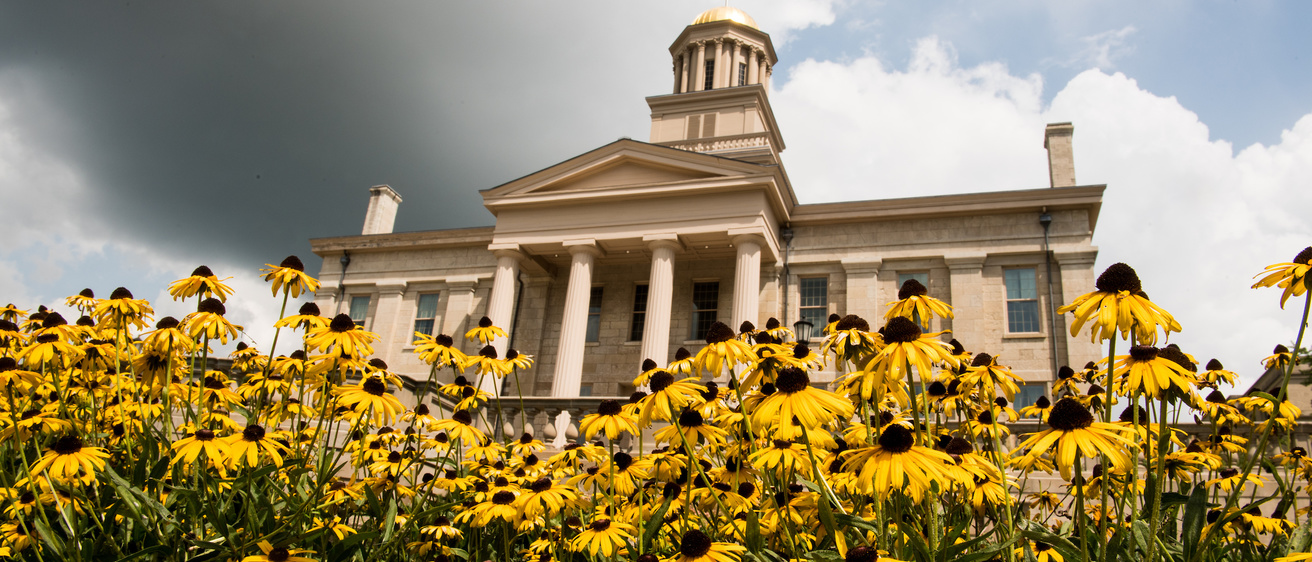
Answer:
[(994, 202), (449, 238)]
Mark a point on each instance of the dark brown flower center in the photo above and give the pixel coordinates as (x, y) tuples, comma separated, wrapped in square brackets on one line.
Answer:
[(852, 322), (212, 306), (279, 554), (911, 288), (792, 380), (67, 445), (121, 293), (1042, 403), (341, 323), (958, 446), (901, 330), (292, 262), (1173, 353), (463, 417), (861, 554), (1304, 257), (484, 322), (488, 352), (661, 380), (374, 386), (695, 544), (1119, 277), (252, 433), (896, 438), (623, 461), (746, 327), (204, 435), (718, 333), (681, 354), (1144, 353), (1069, 415), (691, 418), (503, 497)]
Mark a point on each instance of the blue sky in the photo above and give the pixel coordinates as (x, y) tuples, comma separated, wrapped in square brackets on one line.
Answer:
[(139, 141)]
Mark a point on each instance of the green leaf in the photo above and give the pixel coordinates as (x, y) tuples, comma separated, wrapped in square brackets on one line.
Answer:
[(1195, 512), (917, 541), (390, 522), (1064, 547), (1173, 499), (143, 552), (1265, 396), (657, 519), (48, 537), (1301, 537)]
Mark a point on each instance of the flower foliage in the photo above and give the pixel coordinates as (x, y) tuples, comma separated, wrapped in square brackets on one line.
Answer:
[(124, 442)]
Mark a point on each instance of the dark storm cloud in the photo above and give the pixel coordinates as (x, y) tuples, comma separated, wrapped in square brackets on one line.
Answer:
[(238, 130)]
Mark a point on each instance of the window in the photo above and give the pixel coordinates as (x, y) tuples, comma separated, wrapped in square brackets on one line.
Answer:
[(639, 312), (585, 389), (426, 313), (1022, 301), (705, 302), (920, 276), (359, 309), (594, 315), (701, 126), (710, 75), (814, 305), (742, 74), (1029, 394)]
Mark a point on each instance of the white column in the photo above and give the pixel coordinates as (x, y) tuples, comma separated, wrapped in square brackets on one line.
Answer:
[(753, 69), (687, 71), (747, 280), (764, 74), (460, 299), (501, 303), (574, 323), (388, 320), (719, 64), (734, 59), (660, 300), (699, 70)]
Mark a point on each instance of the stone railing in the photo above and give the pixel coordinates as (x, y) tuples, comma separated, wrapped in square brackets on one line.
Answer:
[(735, 142)]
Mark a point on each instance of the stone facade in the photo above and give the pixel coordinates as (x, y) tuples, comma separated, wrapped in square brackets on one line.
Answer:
[(713, 204)]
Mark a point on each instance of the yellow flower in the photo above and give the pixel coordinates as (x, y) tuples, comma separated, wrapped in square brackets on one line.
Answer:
[(914, 303), (722, 351), (697, 547), (1292, 277), (487, 363), (460, 426), (84, 301), (795, 396), (68, 460), (278, 554), (439, 351), (1119, 304), (307, 317), (851, 338), (905, 346), (120, 307), (371, 395), (290, 277), (485, 332), (1073, 432), (610, 420), (986, 374), (602, 536), (189, 448), (667, 397), (201, 282), (251, 444), (1154, 371), (342, 332), (11, 313), (896, 463), (208, 321)]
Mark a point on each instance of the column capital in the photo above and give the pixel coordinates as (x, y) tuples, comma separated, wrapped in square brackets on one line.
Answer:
[(740, 238), (668, 240), (390, 287), (465, 283), (510, 249), (965, 260), (1069, 259), (862, 265), (584, 246)]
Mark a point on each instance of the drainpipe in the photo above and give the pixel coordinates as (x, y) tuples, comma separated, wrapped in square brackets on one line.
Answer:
[(787, 234), (341, 289), (1045, 219)]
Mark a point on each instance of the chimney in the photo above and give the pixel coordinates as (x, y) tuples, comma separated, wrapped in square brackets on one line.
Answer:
[(1061, 158), (381, 215)]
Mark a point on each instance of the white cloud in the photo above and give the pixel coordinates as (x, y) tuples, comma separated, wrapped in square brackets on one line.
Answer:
[(1102, 49), (1194, 218)]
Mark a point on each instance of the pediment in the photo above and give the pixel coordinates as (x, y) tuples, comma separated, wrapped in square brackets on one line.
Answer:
[(624, 164), (623, 172)]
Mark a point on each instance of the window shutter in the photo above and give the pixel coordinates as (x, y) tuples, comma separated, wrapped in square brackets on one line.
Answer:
[(694, 126), (708, 125)]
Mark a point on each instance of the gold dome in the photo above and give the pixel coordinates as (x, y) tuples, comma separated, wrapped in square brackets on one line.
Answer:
[(724, 13)]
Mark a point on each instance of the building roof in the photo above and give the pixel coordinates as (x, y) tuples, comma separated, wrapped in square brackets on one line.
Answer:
[(726, 13)]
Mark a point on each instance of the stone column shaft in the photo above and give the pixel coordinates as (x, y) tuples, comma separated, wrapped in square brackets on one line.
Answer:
[(719, 65), (753, 69), (660, 299), (501, 303), (967, 285), (574, 323), (699, 70), (747, 281)]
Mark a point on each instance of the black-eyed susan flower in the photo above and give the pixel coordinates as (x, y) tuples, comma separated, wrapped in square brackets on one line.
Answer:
[(905, 347), (1230, 478), (1043, 552), (460, 426), (914, 303), (1150, 371), (1292, 276), (290, 277), (1119, 304), (272, 553), (67, 459), (343, 335), (11, 313), (682, 364), (782, 457), (85, 301), (777, 331), (188, 449), (1214, 374), (201, 282), (120, 309), (795, 396), (517, 360), (168, 337), (306, 317), (208, 321), (545, 498), (668, 396), (252, 446), (851, 338), (987, 375), (486, 363), (48, 349), (696, 546), (485, 332), (1073, 431), (502, 505), (609, 420), (693, 427), (604, 537), (333, 525), (15, 536), (370, 395), (722, 351)]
